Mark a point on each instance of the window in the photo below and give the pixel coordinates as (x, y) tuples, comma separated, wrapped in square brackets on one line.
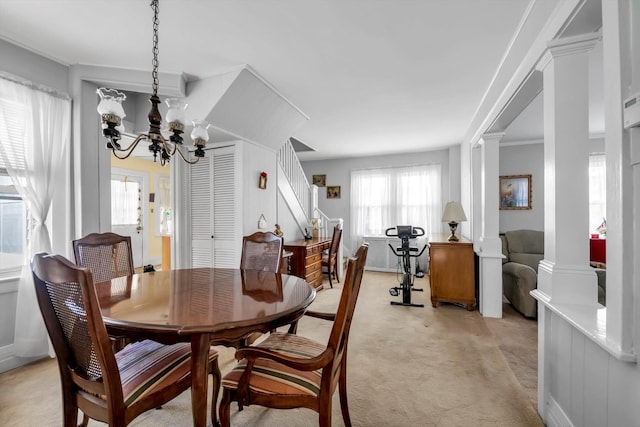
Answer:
[(13, 213), (125, 202), (383, 198), (12, 224)]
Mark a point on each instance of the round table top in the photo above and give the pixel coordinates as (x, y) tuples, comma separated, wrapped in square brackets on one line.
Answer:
[(228, 302)]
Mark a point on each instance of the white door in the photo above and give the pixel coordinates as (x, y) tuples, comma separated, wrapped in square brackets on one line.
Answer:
[(215, 222), (127, 207), (201, 212)]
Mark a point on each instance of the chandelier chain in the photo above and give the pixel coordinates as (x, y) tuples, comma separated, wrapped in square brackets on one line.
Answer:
[(154, 63)]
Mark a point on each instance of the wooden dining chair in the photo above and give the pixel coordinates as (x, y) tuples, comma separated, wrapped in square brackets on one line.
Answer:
[(330, 259), (261, 251), (107, 255), (111, 388), (289, 371)]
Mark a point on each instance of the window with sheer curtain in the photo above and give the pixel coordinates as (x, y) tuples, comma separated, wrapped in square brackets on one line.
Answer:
[(13, 214), (597, 192), (386, 197)]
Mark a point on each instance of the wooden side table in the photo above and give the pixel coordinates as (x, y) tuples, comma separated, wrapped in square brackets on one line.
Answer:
[(451, 271), (306, 261)]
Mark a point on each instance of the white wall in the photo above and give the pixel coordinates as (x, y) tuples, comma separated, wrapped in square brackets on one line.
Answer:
[(338, 172), (257, 201), (524, 160)]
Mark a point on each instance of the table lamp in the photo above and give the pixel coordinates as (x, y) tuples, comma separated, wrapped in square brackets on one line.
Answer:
[(453, 214)]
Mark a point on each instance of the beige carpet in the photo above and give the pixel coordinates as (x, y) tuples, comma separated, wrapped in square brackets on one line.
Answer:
[(407, 367)]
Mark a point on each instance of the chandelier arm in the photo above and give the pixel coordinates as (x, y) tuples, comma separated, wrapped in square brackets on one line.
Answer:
[(167, 146), (191, 162), (133, 145), (115, 154)]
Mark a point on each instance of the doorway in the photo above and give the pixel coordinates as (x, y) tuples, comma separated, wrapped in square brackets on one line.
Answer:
[(127, 210)]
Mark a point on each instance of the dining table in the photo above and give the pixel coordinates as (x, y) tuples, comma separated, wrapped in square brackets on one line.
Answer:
[(203, 306)]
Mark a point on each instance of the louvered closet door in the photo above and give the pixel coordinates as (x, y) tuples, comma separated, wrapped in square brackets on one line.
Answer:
[(201, 212), (225, 217)]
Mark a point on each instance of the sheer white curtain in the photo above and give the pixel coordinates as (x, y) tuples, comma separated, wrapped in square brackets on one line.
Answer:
[(383, 198), (32, 150)]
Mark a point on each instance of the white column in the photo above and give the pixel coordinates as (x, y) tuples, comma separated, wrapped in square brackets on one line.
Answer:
[(564, 274), (476, 196), (490, 245)]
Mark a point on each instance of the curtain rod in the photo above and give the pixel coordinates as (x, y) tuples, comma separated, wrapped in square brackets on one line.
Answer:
[(31, 85)]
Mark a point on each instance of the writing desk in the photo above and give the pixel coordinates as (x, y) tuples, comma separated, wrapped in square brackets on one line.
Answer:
[(203, 306), (306, 261)]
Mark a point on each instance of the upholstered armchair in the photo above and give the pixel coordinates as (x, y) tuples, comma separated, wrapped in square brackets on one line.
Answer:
[(523, 251)]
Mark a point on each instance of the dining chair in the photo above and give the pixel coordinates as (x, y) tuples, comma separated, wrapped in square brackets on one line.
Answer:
[(107, 255), (287, 370), (261, 251), (111, 388), (330, 259)]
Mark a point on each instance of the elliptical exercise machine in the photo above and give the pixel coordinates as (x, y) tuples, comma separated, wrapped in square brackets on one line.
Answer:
[(404, 233)]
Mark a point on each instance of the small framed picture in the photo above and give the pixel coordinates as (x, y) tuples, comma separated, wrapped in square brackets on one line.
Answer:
[(320, 180), (333, 192), (515, 192)]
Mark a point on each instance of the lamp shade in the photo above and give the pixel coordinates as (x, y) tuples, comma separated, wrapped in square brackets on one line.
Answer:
[(453, 212)]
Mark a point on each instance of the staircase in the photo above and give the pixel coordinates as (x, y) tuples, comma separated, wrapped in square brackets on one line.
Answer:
[(302, 198)]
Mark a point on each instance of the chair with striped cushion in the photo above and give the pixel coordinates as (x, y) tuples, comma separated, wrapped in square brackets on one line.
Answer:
[(289, 371), (108, 387)]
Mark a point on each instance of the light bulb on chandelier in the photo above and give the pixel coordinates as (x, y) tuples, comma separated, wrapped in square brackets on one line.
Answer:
[(112, 113)]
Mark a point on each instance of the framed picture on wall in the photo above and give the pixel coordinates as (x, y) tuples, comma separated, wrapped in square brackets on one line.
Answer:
[(320, 180), (333, 192), (515, 192)]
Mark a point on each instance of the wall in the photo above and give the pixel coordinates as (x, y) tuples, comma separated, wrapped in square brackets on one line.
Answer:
[(338, 172), (524, 160), (37, 69), (257, 201)]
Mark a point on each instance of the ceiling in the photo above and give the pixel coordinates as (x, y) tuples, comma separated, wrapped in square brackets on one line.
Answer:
[(374, 76)]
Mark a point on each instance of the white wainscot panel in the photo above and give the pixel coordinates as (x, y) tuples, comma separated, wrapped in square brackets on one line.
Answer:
[(594, 385)]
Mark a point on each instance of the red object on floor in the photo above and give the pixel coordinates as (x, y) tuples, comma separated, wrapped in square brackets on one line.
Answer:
[(598, 250)]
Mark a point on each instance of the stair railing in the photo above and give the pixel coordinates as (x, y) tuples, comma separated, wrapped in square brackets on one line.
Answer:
[(295, 174)]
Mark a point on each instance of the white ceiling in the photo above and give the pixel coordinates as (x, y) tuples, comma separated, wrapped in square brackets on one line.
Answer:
[(374, 76)]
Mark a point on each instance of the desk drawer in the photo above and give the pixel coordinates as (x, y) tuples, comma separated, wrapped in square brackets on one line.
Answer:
[(314, 276), (312, 250), (312, 259)]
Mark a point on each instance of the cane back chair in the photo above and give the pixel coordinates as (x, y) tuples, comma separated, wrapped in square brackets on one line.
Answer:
[(111, 388), (289, 371)]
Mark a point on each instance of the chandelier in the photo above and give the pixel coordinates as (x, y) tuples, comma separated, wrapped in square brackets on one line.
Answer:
[(111, 111)]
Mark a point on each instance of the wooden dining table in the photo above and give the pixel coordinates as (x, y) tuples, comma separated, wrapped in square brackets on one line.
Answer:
[(203, 306)]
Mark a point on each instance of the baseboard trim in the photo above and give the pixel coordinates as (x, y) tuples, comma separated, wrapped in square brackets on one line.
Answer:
[(556, 417), (9, 361)]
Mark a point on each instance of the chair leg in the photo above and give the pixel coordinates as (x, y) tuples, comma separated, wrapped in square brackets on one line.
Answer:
[(324, 414), (217, 380), (85, 420), (225, 409), (344, 405)]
